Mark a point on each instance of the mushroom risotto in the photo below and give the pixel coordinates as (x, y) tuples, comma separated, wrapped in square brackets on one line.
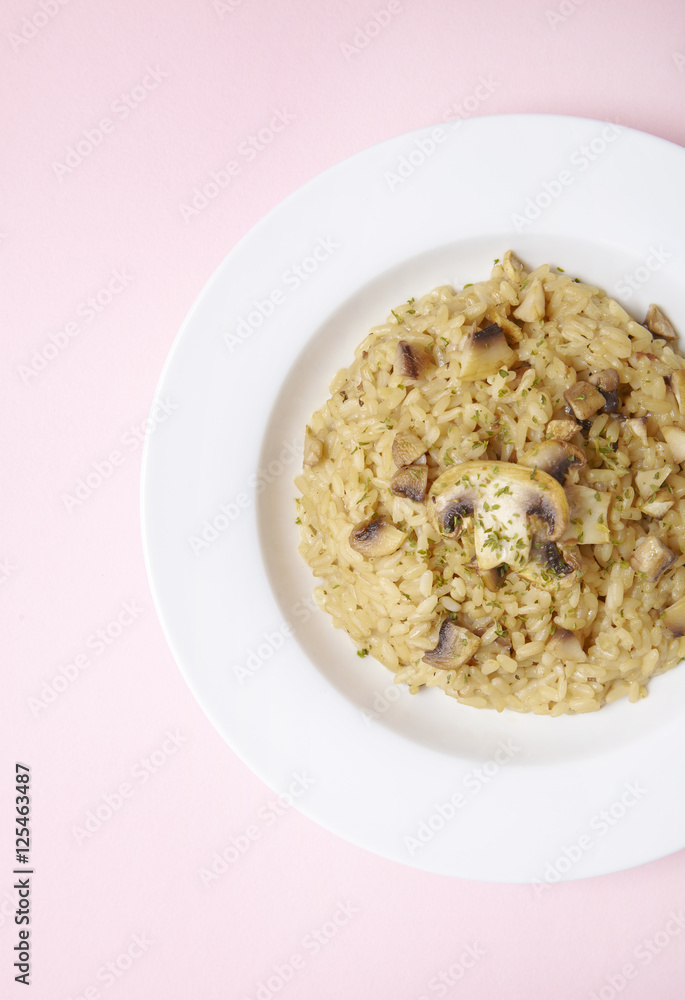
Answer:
[(493, 496)]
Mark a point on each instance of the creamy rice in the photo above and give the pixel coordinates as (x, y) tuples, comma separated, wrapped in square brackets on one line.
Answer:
[(456, 406)]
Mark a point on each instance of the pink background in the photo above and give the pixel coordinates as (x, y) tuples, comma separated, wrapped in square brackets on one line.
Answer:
[(67, 569)]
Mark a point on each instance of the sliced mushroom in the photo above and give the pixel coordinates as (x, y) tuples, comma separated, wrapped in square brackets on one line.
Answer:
[(675, 439), (492, 578), (652, 558), (588, 515), (649, 480), (514, 269), (678, 386), (562, 430), (637, 427), (553, 457), (607, 382), (533, 304), (566, 645), (411, 360), (501, 497), (674, 618), (410, 482), (657, 323), (497, 316), (658, 505), (313, 448), (584, 399), (376, 538), (551, 564), (406, 448), (485, 352), (455, 646)]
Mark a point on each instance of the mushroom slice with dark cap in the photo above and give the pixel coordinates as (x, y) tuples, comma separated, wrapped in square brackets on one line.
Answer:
[(406, 448), (551, 565), (411, 482), (607, 381), (658, 323), (376, 538), (566, 645), (484, 352), (502, 498), (493, 577), (553, 457), (584, 399), (455, 646), (652, 558), (496, 315), (411, 360), (673, 618)]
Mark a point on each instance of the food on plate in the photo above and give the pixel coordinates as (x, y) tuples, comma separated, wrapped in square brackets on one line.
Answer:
[(493, 496)]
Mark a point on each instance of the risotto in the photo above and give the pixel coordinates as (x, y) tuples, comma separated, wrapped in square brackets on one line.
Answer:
[(493, 496)]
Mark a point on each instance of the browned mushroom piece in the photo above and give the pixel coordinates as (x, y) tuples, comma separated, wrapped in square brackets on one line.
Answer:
[(493, 577), (411, 360), (673, 618), (562, 430), (553, 457), (455, 646), (652, 558), (584, 399), (658, 323), (566, 645), (376, 538), (410, 482), (484, 352), (607, 381), (407, 448)]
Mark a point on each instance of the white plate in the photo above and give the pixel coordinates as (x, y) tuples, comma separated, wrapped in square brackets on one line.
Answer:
[(400, 775)]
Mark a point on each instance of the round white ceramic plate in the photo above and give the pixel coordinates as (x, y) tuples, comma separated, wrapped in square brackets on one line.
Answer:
[(422, 780)]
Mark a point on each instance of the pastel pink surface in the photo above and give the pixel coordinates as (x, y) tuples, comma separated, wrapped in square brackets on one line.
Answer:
[(212, 75)]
